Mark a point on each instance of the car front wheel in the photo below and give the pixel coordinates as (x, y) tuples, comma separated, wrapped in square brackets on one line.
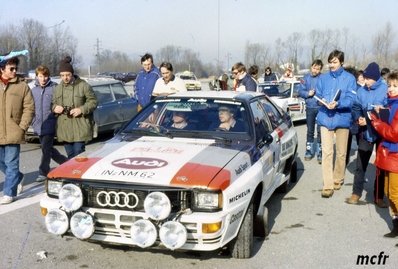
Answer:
[(242, 246)]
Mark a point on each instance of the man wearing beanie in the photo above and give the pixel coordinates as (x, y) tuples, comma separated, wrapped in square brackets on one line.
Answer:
[(73, 102), (372, 94)]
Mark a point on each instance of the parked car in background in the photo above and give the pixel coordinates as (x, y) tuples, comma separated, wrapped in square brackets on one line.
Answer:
[(122, 76), (115, 106), (191, 82), (285, 94), (196, 186)]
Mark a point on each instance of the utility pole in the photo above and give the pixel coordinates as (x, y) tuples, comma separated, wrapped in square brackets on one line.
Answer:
[(97, 55)]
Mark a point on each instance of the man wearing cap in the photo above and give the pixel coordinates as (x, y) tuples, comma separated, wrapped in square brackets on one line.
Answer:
[(16, 114), (369, 96), (73, 103)]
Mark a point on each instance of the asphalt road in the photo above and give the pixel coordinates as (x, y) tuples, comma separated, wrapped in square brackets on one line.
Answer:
[(307, 231)]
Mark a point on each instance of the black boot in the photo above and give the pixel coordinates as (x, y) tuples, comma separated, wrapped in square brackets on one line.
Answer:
[(394, 231)]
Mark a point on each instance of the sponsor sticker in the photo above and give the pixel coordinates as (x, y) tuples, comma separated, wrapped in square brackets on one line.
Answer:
[(139, 163)]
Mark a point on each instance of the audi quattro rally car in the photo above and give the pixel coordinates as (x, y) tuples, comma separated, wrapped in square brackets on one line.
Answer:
[(285, 95), (201, 187)]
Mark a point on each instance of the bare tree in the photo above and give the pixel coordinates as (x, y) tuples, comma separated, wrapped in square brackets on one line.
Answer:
[(254, 52), (62, 43), (382, 45), (35, 39), (315, 37), (294, 48), (9, 41), (279, 52)]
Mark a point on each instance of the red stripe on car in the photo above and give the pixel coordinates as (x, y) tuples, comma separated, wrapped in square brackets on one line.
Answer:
[(199, 175), (73, 168)]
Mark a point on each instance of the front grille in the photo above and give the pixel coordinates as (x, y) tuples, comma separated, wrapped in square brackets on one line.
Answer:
[(179, 198)]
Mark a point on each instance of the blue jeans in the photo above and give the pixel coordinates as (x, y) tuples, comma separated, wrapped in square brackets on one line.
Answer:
[(75, 148), (49, 152), (9, 165), (311, 114)]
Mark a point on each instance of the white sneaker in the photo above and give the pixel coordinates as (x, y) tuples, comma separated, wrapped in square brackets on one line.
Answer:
[(19, 188), (6, 200), (20, 185)]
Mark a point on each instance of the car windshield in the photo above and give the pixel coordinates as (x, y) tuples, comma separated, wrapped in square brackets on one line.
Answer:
[(186, 77), (192, 117), (276, 89)]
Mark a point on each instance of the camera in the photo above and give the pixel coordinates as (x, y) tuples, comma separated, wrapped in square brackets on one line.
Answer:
[(67, 110)]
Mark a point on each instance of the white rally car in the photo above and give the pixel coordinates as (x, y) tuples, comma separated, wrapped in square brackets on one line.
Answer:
[(189, 185), (191, 82), (285, 95)]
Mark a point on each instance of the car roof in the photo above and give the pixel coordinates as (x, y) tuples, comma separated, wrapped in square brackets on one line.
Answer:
[(93, 81), (217, 95)]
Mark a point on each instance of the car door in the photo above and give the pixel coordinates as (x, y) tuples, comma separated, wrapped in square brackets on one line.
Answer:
[(107, 112), (282, 132), (127, 105), (268, 152)]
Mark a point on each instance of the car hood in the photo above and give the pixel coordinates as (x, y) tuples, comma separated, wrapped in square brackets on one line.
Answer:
[(160, 161), (191, 81)]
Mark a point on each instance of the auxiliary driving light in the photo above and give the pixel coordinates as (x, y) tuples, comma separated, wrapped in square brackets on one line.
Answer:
[(57, 221), (157, 205), (173, 235), (143, 233), (82, 225), (71, 197)]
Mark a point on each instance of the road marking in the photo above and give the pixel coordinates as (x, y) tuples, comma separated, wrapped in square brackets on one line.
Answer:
[(31, 195)]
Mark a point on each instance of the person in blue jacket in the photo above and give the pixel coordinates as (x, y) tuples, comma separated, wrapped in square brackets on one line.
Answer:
[(145, 81), (307, 91), (336, 92), (45, 121), (369, 96)]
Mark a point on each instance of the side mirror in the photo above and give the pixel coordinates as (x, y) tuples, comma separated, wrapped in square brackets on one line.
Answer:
[(268, 139)]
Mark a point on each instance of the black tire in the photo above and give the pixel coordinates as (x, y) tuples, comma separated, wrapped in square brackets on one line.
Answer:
[(242, 246), (293, 173), (261, 226), (284, 188)]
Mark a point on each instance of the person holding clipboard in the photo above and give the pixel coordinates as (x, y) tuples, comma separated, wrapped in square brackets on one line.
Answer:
[(387, 151), (370, 96), (335, 92)]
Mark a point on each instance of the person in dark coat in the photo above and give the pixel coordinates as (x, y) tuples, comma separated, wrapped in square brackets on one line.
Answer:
[(74, 102)]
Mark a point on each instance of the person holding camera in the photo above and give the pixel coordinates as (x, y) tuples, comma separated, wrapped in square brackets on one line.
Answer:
[(73, 103)]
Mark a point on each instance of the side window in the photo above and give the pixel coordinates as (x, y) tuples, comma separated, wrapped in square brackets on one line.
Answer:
[(261, 123), (273, 113), (103, 94), (119, 91)]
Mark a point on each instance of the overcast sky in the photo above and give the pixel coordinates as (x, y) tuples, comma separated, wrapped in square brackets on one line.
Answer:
[(138, 26)]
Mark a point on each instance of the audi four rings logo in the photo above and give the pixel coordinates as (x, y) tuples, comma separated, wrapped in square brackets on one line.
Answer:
[(139, 163), (120, 199)]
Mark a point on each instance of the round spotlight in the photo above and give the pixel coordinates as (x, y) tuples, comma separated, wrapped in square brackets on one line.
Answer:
[(57, 221), (143, 233), (157, 205), (71, 197), (82, 225), (173, 235)]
